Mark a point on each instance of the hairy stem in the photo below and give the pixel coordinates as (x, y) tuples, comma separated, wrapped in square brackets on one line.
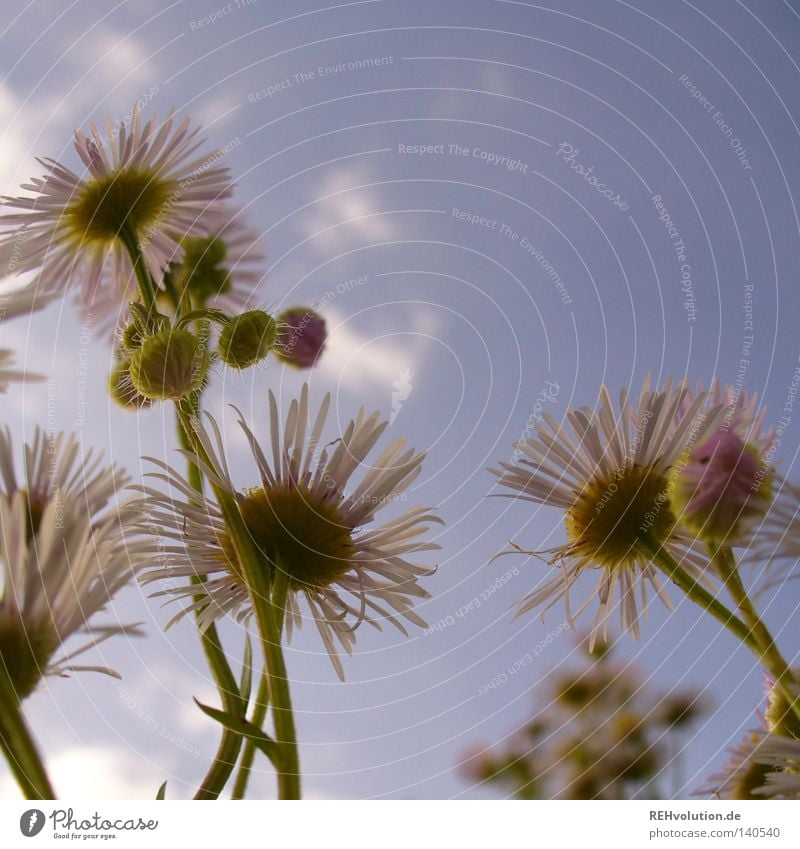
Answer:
[(147, 288)]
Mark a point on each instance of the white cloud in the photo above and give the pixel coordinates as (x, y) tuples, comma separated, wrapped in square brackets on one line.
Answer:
[(94, 772), (341, 209), (352, 358)]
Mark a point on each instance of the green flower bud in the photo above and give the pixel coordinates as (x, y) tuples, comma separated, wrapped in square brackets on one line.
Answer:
[(169, 365), (122, 390), (247, 338), (132, 337), (143, 323)]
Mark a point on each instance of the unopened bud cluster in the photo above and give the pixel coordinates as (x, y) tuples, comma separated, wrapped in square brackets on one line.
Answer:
[(159, 360)]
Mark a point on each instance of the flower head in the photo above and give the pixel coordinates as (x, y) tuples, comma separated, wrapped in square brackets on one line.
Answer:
[(64, 553), (301, 337), (146, 184), (743, 773), (611, 479), (722, 488), (779, 756), (304, 521)]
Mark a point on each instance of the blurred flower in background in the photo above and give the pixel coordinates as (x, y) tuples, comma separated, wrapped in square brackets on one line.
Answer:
[(598, 732)]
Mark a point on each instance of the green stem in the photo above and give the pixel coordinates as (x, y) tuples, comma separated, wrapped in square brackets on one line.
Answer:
[(258, 717), (18, 744), (147, 288), (283, 717), (280, 589), (205, 314), (766, 649), (697, 593), (230, 743), (257, 578)]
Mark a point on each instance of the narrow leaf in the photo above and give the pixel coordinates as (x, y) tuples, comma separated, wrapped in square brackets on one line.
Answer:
[(241, 726)]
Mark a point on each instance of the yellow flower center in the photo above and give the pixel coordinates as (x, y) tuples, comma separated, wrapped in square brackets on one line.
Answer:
[(304, 533), (614, 515), (123, 200)]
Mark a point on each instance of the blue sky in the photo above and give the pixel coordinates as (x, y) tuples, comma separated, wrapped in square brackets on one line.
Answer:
[(483, 274)]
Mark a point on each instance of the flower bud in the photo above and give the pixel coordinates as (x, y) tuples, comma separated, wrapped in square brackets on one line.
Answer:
[(122, 390), (169, 365), (142, 323), (301, 337), (722, 488), (247, 338)]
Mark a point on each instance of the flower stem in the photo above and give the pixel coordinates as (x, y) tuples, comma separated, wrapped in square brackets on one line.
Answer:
[(18, 744), (147, 288), (257, 578), (766, 649), (280, 589), (270, 619), (249, 753), (230, 743), (697, 593)]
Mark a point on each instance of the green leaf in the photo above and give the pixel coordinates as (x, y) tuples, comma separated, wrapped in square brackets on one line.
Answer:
[(162, 792), (241, 726)]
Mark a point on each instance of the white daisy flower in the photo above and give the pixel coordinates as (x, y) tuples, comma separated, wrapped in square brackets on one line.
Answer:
[(301, 518), (611, 477), (777, 539), (743, 773), (64, 552), (781, 756), (146, 183)]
